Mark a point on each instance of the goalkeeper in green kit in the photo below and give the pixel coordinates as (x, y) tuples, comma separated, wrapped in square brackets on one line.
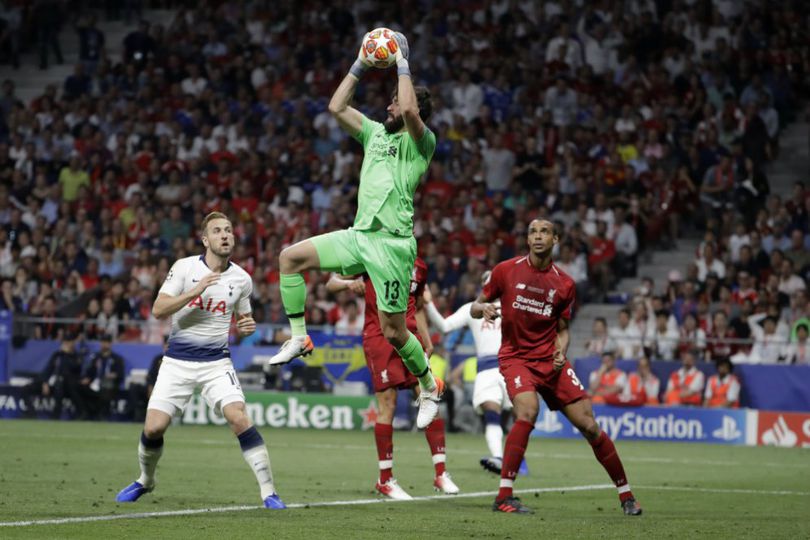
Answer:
[(381, 242)]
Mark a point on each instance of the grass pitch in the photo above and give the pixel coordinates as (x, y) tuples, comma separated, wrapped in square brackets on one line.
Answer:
[(59, 470)]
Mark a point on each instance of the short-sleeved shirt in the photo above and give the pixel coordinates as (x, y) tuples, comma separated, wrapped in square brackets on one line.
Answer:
[(371, 325), (392, 167), (200, 329), (532, 303), (71, 181)]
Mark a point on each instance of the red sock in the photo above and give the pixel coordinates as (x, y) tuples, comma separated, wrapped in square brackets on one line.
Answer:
[(606, 454), (384, 437), (434, 434), (513, 451)]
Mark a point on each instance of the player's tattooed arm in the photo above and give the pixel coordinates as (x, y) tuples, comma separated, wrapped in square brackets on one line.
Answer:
[(483, 308), (562, 341), (349, 118), (167, 305)]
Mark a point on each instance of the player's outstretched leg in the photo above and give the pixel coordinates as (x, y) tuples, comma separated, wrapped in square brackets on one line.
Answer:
[(493, 433), (292, 261), (255, 453), (526, 405), (580, 414), (149, 452), (384, 438), (434, 434)]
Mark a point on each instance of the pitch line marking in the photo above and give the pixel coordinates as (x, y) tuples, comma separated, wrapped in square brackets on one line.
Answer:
[(358, 502)]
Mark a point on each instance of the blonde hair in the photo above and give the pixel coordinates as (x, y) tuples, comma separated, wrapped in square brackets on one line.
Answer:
[(209, 218)]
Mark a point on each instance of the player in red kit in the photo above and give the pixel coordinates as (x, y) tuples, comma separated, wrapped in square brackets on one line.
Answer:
[(389, 374), (536, 301)]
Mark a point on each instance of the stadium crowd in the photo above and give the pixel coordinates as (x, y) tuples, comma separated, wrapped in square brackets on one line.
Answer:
[(625, 117)]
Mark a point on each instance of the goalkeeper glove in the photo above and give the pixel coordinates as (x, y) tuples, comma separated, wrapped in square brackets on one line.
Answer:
[(403, 50), (360, 65)]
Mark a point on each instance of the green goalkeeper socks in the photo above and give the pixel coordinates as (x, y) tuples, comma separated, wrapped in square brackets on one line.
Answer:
[(294, 297), (413, 356)]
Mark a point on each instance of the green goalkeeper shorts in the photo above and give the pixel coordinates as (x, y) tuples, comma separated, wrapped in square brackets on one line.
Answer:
[(387, 259)]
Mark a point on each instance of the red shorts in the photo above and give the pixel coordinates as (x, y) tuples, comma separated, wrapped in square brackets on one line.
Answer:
[(386, 366), (558, 388)]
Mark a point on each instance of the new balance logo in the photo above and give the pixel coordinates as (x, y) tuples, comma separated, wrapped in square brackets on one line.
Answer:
[(520, 286), (728, 430), (384, 376)]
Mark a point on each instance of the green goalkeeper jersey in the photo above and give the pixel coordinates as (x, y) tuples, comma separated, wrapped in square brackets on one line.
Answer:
[(392, 166)]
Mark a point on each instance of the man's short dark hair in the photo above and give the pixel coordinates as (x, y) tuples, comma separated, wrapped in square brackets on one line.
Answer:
[(423, 100)]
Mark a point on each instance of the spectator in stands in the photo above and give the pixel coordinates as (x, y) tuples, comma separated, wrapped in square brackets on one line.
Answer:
[(102, 379), (769, 345), (107, 320), (723, 388), (661, 339), (626, 336), (708, 264), (722, 339), (47, 18), (59, 379), (351, 321), (789, 282), (608, 382), (798, 350), (601, 257), (599, 341), (685, 386)]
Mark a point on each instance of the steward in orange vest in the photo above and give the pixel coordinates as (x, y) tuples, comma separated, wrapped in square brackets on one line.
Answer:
[(723, 388), (685, 385)]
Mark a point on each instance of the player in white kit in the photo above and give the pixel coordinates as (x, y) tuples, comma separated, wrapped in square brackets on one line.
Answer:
[(489, 390), (201, 294)]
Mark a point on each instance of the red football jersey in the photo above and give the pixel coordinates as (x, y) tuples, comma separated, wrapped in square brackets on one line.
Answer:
[(532, 302), (371, 325)]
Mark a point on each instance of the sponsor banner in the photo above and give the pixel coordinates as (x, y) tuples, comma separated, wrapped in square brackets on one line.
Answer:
[(783, 429), (721, 426), (294, 410), (12, 405)]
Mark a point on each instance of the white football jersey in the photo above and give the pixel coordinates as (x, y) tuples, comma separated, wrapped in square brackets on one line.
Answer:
[(486, 334), (200, 329)]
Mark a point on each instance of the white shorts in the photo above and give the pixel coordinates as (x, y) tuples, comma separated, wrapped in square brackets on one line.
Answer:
[(490, 386), (178, 379)]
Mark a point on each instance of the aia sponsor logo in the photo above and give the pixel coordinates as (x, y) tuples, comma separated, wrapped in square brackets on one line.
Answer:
[(210, 307)]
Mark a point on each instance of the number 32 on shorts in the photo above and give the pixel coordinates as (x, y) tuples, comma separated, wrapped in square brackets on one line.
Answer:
[(574, 379)]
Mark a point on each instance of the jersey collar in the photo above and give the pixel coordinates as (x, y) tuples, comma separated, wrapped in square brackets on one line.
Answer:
[(202, 258)]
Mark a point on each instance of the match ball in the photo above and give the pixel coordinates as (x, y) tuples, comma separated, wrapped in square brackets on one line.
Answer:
[(380, 48)]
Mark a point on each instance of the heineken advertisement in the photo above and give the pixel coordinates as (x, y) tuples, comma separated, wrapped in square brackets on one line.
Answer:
[(293, 410)]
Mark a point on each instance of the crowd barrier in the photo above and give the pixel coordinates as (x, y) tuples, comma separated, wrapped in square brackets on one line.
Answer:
[(326, 411), (770, 387)]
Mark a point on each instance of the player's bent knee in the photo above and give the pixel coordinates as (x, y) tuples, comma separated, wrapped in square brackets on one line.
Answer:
[(156, 424)]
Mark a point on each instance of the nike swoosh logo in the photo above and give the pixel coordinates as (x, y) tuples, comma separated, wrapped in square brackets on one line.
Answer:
[(195, 280)]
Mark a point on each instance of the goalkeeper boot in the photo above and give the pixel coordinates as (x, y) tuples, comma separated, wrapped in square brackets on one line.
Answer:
[(293, 348), (429, 404), (274, 502), (631, 507), (392, 490), (444, 484), (133, 492)]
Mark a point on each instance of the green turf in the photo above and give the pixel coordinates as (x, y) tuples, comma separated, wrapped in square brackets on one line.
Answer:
[(54, 470)]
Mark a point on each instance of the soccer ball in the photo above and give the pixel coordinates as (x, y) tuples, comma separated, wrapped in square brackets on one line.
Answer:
[(380, 48)]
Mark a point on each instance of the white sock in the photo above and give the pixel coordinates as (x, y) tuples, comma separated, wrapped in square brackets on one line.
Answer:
[(259, 460), (494, 436), (148, 459)]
